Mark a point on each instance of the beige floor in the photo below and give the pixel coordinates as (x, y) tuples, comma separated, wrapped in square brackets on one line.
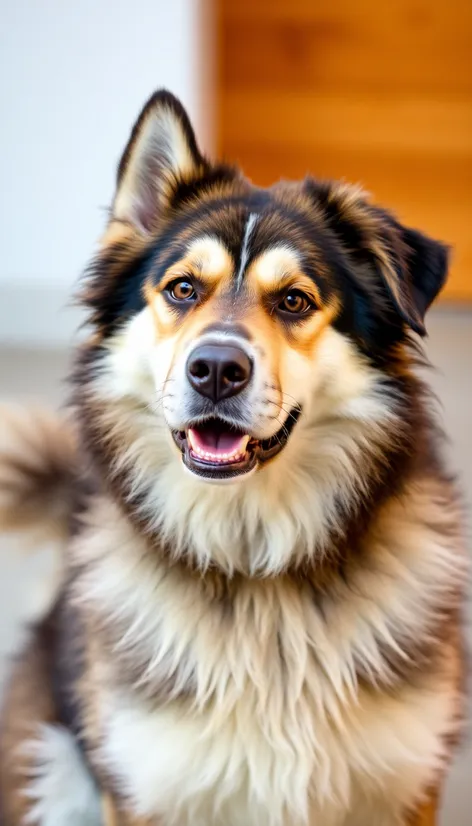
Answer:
[(39, 374)]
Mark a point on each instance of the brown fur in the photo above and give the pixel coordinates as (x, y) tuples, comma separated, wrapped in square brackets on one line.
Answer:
[(358, 625), (28, 704), (37, 456)]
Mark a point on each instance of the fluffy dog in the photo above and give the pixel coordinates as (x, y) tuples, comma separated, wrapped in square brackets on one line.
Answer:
[(259, 618)]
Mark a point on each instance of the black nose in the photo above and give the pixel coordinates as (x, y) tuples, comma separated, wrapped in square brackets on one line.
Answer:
[(218, 371)]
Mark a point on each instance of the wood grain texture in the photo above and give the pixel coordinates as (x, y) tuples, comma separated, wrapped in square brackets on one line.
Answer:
[(379, 94)]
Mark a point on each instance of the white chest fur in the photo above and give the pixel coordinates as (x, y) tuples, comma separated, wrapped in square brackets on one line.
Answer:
[(194, 769), (274, 729)]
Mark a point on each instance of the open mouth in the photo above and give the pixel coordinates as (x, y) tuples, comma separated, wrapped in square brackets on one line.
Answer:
[(217, 449)]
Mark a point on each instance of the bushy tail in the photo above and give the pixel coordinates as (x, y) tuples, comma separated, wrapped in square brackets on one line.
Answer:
[(37, 453), (37, 457)]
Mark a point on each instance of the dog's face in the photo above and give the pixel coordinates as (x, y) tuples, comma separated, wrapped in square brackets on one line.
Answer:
[(240, 336), (234, 325)]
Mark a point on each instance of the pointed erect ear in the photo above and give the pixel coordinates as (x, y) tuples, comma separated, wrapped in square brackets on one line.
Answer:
[(411, 266), (161, 154)]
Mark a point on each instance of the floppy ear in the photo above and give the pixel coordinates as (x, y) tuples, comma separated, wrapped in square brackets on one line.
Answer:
[(427, 262), (161, 154), (411, 266)]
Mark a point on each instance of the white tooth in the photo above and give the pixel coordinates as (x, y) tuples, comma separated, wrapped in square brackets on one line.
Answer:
[(243, 444)]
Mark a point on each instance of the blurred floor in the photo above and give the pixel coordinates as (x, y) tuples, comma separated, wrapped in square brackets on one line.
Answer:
[(39, 374)]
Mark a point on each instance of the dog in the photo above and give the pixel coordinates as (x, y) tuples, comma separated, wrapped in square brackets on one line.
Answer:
[(258, 621)]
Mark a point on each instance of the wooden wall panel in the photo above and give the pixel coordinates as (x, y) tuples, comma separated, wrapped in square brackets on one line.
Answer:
[(376, 93)]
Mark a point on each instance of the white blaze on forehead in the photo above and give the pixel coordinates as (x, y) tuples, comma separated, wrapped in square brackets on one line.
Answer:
[(251, 222), (210, 255), (276, 263)]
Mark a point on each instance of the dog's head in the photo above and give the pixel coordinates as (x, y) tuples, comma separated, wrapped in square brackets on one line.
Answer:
[(231, 322)]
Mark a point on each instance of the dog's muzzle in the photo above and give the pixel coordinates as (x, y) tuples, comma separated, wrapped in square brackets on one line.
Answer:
[(215, 444)]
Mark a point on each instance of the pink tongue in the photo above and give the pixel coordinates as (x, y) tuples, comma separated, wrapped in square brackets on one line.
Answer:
[(216, 442)]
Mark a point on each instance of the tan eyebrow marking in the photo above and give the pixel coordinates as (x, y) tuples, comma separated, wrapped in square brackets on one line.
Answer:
[(276, 264), (209, 256)]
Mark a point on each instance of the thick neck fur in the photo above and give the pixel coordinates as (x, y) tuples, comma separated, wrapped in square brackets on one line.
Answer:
[(305, 508), (303, 667), (305, 606), (315, 534)]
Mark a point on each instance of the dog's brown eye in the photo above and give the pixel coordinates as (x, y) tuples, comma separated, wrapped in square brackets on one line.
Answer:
[(182, 291), (296, 303)]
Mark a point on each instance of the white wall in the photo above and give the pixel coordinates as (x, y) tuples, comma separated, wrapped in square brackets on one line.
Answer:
[(73, 76)]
